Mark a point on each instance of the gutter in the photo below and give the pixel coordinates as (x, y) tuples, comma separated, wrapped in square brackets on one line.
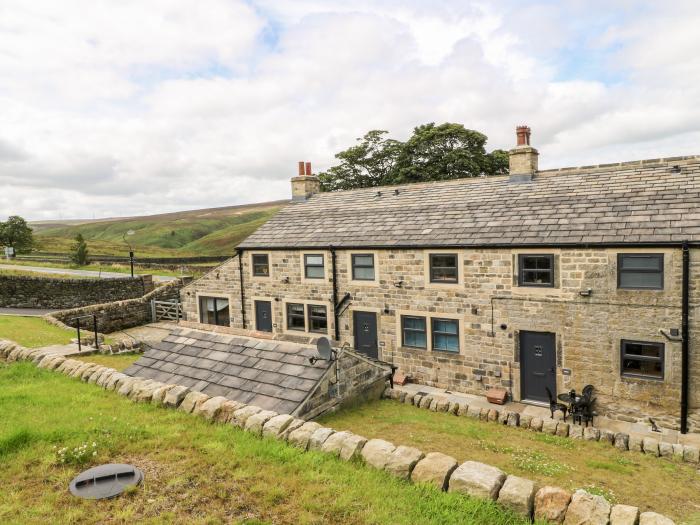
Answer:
[(585, 245), (685, 334), (239, 252), (335, 293)]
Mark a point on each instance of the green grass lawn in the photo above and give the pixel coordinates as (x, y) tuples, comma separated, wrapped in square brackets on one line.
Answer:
[(631, 478), (33, 332), (118, 362), (195, 472)]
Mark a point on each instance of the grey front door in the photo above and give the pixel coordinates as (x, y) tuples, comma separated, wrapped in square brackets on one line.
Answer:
[(538, 365), (263, 316), (366, 333)]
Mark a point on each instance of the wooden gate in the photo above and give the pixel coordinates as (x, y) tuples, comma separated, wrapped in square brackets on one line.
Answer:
[(166, 310)]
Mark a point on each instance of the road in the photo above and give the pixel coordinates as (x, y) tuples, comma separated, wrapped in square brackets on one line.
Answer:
[(85, 273)]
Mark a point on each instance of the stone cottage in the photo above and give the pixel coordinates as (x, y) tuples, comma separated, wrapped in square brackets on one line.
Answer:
[(537, 279)]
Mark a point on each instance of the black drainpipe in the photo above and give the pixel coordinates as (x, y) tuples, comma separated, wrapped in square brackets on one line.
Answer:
[(240, 272), (686, 338), (335, 293)]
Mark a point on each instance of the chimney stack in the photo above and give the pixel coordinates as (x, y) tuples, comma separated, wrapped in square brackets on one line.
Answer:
[(523, 157), (305, 184)]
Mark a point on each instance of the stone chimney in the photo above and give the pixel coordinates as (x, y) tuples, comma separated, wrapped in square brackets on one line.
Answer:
[(304, 185), (523, 157)]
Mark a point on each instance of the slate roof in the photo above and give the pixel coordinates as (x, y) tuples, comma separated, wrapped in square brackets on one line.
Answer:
[(270, 374), (631, 202)]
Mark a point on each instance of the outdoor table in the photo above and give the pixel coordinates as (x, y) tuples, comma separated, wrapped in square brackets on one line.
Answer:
[(567, 398)]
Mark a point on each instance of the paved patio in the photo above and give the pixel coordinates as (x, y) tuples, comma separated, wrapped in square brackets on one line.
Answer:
[(603, 423)]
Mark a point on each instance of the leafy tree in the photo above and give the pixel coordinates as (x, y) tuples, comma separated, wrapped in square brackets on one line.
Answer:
[(369, 163), (16, 233), (79, 251), (442, 152)]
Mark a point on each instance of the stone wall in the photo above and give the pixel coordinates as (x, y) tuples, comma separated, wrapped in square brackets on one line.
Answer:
[(45, 292), (358, 379), (492, 311), (119, 315)]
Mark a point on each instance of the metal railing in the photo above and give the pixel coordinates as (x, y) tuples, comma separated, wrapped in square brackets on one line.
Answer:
[(94, 326)]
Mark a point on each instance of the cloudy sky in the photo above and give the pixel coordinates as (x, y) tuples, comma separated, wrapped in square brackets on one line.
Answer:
[(128, 107)]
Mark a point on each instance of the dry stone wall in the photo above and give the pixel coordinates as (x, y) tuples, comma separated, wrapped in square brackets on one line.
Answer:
[(118, 315), (585, 310), (44, 292)]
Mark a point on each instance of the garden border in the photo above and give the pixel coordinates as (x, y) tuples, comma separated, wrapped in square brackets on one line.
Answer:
[(470, 478)]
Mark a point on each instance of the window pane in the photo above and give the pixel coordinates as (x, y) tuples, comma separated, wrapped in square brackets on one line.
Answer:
[(297, 309), (634, 349), (646, 368), (316, 260), (536, 263), (442, 261), (415, 339), (261, 265), (444, 275), (448, 343), (363, 274), (363, 260), (416, 323), (441, 325), (537, 277), (222, 312), (641, 280), (295, 317), (314, 272), (641, 262), (318, 321)]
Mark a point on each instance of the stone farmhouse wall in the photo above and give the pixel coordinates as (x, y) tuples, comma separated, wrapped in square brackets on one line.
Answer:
[(118, 315), (588, 328), (44, 292)]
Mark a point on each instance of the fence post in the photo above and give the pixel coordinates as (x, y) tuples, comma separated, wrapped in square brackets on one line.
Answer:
[(80, 348), (94, 323), (153, 311)]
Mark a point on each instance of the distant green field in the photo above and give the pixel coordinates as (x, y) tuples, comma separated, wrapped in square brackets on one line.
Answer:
[(190, 233)]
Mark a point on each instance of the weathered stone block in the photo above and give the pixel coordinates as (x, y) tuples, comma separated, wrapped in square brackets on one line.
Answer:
[(635, 443), (678, 451), (622, 441), (525, 420), (607, 436), (334, 442), (477, 479), (536, 424), (492, 415), (300, 436), (650, 446), (691, 454), (241, 415), (175, 396), (503, 417), (276, 425), (463, 409), (192, 399), (227, 409), (587, 508), (319, 437), (442, 405), (378, 452), (652, 518), (296, 423), (425, 402), (575, 431), (665, 450), (352, 447), (126, 385), (159, 394), (403, 460), (513, 419), (551, 504), (435, 468), (624, 515), (209, 410), (474, 412), (518, 495), (562, 429), (255, 423), (453, 408), (549, 425)]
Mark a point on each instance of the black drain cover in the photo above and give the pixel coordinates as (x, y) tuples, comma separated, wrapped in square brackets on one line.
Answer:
[(105, 481)]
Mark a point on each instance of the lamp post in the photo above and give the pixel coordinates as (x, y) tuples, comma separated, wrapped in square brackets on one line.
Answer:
[(131, 250)]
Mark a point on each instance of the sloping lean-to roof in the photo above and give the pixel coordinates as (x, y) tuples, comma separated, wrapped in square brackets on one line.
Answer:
[(652, 201)]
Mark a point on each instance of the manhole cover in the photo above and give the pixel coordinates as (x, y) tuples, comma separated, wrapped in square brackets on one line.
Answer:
[(105, 481)]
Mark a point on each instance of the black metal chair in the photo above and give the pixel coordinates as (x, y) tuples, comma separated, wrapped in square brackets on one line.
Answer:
[(582, 409), (554, 405)]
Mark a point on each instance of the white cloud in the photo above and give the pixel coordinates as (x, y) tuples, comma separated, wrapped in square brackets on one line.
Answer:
[(123, 108)]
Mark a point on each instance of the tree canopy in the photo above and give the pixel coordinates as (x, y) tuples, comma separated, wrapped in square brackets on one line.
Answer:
[(79, 251), (442, 152), (16, 233)]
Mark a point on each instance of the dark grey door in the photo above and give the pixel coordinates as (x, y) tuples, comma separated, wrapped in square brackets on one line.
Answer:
[(366, 333), (538, 365), (263, 316)]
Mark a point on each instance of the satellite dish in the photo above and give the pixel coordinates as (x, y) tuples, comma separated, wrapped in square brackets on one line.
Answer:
[(324, 349)]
